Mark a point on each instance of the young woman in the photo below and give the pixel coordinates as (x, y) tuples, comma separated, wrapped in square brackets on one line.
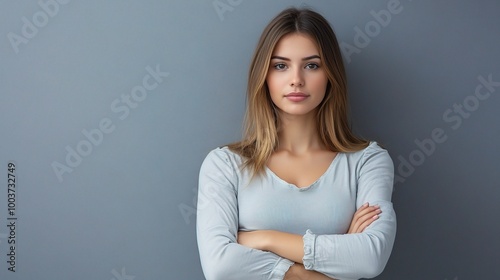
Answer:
[(300, 196)]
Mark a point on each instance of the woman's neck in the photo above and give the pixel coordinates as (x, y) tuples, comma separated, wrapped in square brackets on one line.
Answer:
[(299, 134)]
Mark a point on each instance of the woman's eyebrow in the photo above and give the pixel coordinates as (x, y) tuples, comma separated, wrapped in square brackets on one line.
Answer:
[(288, 59)]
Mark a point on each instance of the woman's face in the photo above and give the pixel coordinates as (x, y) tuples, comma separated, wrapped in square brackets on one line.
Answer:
[(296, 78)]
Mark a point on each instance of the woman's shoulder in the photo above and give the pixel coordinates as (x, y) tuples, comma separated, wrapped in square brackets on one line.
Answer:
[(223, 150), (373, 151), (224, 155)]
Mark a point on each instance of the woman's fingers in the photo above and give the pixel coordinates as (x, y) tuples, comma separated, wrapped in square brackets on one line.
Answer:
[(365, 208), (363, 217), (369, 219), (362, 211)]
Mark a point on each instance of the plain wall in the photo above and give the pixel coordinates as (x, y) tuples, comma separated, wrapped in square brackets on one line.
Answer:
[(107, 109)]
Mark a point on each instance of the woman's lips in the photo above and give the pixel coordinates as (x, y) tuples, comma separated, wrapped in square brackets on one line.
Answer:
[(296, 96)]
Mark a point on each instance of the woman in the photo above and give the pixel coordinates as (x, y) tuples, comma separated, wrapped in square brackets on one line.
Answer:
[(299, 197)]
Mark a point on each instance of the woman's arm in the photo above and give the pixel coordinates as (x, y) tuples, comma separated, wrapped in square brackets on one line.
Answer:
[(291, 246), (217, 226), (360, 255)]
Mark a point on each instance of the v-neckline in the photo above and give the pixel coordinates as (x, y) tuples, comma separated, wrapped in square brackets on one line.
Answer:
[(278, 178)]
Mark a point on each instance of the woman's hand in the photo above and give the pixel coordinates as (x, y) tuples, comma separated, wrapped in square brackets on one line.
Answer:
[(298, 272), (363, 217)]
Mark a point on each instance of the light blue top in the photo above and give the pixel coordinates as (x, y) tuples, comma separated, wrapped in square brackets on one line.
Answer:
[(322, 212)]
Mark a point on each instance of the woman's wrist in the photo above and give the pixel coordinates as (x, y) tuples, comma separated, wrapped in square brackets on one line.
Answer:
[(294, 272), (298, 272)]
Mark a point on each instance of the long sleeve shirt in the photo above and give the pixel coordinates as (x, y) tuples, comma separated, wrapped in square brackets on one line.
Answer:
[(230, 201)]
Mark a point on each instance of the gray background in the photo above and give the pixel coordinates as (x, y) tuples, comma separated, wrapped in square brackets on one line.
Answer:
[(126, 211)]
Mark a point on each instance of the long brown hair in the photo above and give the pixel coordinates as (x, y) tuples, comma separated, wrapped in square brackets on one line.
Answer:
[(261, 124)]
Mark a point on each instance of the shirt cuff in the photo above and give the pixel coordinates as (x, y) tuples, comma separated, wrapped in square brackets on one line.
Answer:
[(280, 269), (309, 247)]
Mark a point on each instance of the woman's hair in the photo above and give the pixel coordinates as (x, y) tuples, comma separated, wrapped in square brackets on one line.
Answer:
[(261, 125)]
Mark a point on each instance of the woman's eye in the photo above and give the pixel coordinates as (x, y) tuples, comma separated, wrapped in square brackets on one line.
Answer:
[(279, 66), (312, 66)]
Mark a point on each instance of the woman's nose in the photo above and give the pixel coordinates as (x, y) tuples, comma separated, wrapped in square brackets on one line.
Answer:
[(297, 79)]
